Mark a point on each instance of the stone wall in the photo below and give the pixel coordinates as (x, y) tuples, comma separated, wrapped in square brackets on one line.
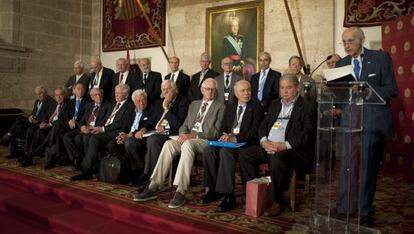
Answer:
[(48, 36)]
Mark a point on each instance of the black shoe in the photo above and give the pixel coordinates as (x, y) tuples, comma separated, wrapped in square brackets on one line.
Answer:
[(5, 139), (49, 166), (366, 221), (210, 196), (227, 204), (26, 163), (142, 182), (11, 156), (20, 159), (81, 176)]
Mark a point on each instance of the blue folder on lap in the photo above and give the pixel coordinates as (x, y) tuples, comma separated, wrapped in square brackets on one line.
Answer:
[(225, 144)]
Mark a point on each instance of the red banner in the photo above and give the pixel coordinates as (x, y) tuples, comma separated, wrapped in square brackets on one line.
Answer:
[(365, 13), (125, 27), (398, 40)]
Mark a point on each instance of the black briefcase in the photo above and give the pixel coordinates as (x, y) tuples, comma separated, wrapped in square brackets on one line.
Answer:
[(113, 168)]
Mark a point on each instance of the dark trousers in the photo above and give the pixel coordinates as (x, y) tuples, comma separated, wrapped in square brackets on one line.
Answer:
[(133, 149), (73, 144), (93, 145), (280, 165), (154, 146), (36, 140), (219, 168)]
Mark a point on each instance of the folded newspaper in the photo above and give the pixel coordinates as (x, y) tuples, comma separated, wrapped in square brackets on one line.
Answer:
[(150, 133)]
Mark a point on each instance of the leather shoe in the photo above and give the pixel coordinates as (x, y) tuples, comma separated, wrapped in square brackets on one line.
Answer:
[(5, 139), (49, 166), (210, 196), (366, 221), (26, 163), (227, 204), (21, 159), (81, 176), (11, 156), (275, 210)]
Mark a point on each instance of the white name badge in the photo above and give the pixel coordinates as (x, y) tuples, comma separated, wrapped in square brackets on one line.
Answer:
[(236, 131), (196, 127), (226, 96), (277, 125)]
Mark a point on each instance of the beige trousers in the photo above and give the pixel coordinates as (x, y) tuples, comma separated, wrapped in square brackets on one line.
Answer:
[(169, 151)]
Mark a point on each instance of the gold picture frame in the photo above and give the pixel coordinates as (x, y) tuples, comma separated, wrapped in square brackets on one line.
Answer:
[(236, 31)]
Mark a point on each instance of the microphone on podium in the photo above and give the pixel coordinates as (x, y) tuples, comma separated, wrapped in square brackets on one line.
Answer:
[(327, 58)]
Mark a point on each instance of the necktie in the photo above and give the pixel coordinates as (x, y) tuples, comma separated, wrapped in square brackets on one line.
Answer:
[(77, 105), (172, 77), (112, 116), (95, 81), (261, 85), (227, 81), (39, 107), (202, 73), (239, 112), (200, 114), (92, 117), (121, 78), (357, 68), (145, 78), (135, 124), (55, 113)]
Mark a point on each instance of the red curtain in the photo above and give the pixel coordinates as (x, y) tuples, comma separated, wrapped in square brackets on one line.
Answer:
[(398, 40), (124, 26)]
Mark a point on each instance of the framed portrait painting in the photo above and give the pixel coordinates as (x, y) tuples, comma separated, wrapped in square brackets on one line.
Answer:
[(235, 31)]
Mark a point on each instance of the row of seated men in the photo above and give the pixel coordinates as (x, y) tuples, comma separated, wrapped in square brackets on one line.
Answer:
[(72, 132)]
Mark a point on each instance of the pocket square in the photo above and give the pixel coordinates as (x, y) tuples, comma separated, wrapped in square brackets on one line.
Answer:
[(145, 118), (372, 74)]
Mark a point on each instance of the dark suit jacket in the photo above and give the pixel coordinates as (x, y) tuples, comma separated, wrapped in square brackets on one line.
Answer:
[(131, 80), (152, 87), (146, 116), (64, 114), (301, 129), (182, 82), (106, 82), (102, 113), (175, 116), (252, 117), (123, 119), (220, 88), (270, 90), (84, 79), (194, 92), (45, 110), (377, 70)]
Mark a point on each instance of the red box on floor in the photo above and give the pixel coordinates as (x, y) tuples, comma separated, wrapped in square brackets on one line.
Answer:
[(257, 196)]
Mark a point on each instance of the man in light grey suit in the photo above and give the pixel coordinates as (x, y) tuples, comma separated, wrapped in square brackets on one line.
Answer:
[(202, 123), (226, 81)]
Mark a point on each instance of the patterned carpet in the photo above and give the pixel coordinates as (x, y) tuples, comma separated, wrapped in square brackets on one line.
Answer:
[(394, 203)]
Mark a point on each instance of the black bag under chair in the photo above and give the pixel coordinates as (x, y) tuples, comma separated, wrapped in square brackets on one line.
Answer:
[(113, 169)]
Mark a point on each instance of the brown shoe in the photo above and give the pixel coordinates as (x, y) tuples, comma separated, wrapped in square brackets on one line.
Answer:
[(275, 210)]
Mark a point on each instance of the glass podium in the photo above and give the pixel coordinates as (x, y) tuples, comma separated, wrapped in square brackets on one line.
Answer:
[(337, 167)]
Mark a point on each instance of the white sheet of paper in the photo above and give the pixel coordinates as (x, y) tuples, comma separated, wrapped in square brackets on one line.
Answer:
[(339, 72)]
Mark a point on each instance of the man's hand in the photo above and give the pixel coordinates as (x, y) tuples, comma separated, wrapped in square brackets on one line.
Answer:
[(167, 100), (97, 130), (72, 124), (32, 119), (139, 134), (85, 129), (228, 137), (273, 147), (186, 136), (43, 125), (122, 137)]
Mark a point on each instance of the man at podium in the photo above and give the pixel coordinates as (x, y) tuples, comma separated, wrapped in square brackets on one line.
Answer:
[(375, 68)]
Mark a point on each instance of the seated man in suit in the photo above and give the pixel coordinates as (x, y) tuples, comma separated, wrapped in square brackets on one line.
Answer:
[(287, 141), (169, 114), (94, 116), (181, 79), (119, 119), (203, 123), (101, 77), (78, 77), (131, 143), (226, 81), (123, 76), (42, 109), (240, 124), (265, 83), (197, 79), (36, 136), (307, 86), (55, 150), (149, 81)]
